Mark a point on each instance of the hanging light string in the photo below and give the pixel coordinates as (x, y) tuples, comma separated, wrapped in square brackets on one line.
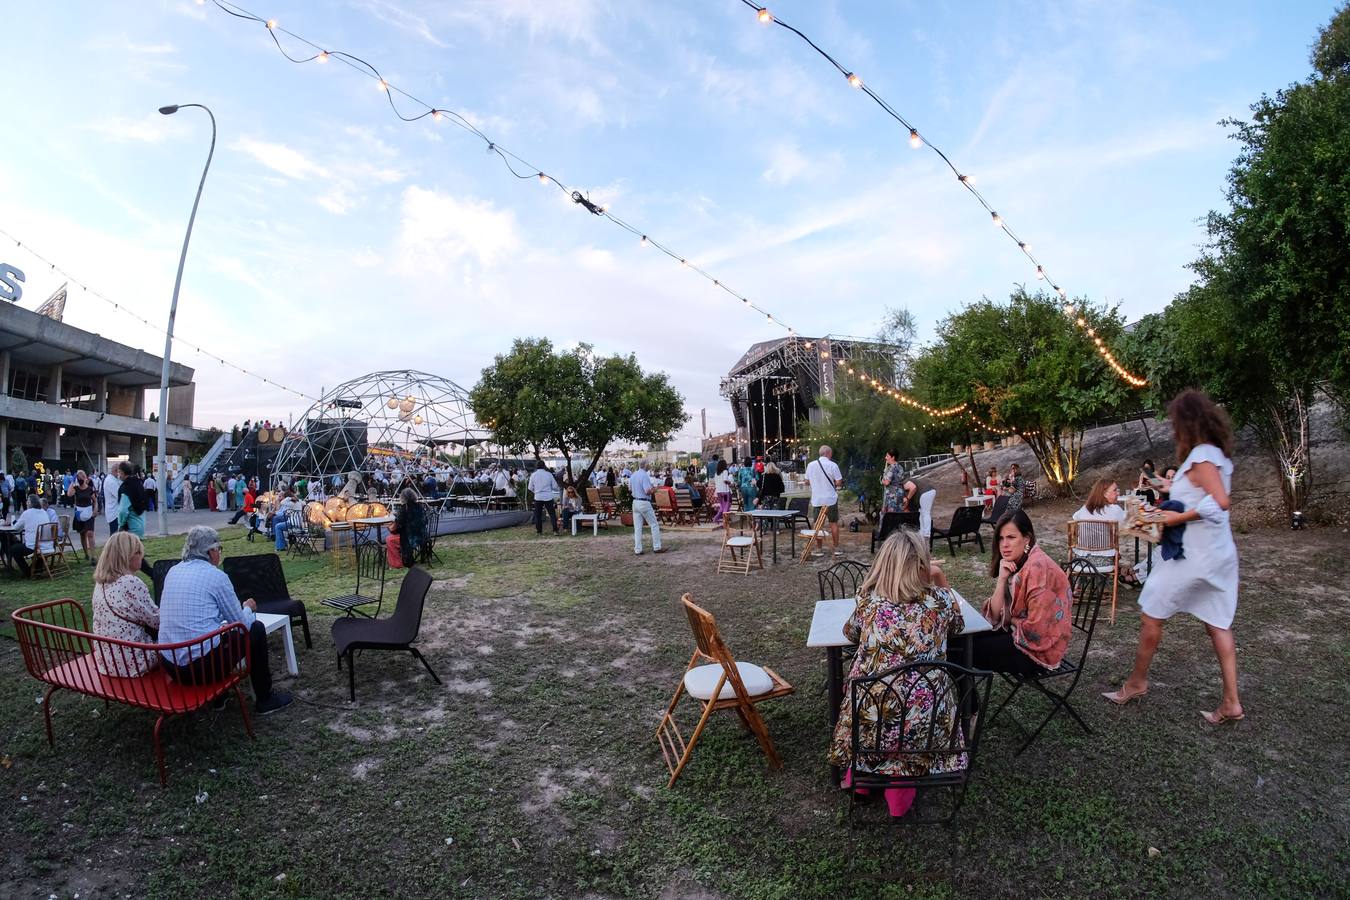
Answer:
[(967, 181), (515, 164), (146, 322)]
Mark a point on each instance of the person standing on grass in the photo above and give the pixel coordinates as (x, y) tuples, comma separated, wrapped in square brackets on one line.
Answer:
[(826, 479), (131, 503), (1201, 578), (722, 490), (544, 487), (920, 495), (112, 484), (640, 483)]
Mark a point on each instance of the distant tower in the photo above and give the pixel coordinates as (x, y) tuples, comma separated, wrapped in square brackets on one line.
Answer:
[(55, 305)]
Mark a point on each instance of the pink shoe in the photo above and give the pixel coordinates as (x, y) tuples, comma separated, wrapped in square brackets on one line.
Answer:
[(899, 800)]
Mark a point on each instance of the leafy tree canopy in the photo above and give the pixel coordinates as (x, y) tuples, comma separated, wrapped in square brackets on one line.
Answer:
[(534, 398)]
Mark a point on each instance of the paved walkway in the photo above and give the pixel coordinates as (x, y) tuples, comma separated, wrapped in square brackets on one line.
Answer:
[(178, 522)]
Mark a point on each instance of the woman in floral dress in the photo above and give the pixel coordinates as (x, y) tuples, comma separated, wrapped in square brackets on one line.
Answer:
[(123, 608), (905, 611), (892, 484)]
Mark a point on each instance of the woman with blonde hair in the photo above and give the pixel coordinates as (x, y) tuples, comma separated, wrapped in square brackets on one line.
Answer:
[(904, 612), (123, 608)]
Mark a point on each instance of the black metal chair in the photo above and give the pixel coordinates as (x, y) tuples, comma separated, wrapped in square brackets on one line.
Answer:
[(426, 552), (890, 522), (158, 570), (842, 580), (299, 539), (260, 576), (906, 729), (398, 632), (965, 528), (370, 568), (996, 513), (1088, 587)]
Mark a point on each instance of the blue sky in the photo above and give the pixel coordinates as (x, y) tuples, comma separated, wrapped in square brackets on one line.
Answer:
[(334, 239)]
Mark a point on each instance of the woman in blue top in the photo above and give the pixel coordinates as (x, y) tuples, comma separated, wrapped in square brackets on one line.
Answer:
[(749, 490), (131, 502)]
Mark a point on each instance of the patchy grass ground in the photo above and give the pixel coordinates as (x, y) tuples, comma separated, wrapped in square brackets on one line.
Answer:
[(533, 772)]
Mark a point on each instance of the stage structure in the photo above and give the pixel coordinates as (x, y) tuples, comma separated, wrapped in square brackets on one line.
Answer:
[(398, 423), (776, 385)]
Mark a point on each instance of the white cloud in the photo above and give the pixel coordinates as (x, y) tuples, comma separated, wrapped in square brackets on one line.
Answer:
[(149, 129), (280, 158), (403, 19), (438, 229), (786, 163), (336, 201)]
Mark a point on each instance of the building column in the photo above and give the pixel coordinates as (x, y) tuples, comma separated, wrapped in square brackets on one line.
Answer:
[(138, 404), (4, 372), (4, 446), (102, 404), (51, 434), (101, 443)]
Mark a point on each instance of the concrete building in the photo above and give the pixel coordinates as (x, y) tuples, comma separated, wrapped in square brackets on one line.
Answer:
[(73, 399)]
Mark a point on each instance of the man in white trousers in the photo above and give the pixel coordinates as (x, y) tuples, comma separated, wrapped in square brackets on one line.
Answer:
[(920, 494), (640, 483)]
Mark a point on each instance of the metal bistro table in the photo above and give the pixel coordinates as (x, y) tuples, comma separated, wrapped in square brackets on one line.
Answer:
[(827, 630), (376, 522), (777, 516)]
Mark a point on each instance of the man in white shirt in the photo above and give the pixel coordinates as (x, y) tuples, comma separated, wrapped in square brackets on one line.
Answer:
[(826, 479), (500, 482), (112, 483), (229, 492), (151, 495), (640, 483), (544, 487), (28, 521)]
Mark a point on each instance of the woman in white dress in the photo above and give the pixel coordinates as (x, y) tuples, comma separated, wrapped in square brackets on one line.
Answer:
[(1204, 580)]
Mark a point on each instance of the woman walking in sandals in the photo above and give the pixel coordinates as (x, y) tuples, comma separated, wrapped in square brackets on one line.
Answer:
[(1199, 570)]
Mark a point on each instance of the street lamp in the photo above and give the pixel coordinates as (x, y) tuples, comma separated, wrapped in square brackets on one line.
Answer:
[(161, 455)]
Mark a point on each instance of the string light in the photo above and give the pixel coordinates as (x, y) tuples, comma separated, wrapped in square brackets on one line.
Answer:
[(144, 321), (511, 160), (765, 16), (967, 181)]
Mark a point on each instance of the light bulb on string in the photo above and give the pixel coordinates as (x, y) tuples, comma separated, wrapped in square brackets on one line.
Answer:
[(383, 85), (1040, 273), (765, 16), (323, 56), (997, 219), (436, 114), (643, 242), (271, 24), (914, 140), (854, 81)]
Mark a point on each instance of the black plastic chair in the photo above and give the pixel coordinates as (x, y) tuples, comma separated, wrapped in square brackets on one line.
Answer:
[(398, 632), (890, 522), (370, 568), (842, 580), (1088, 587), (886, 698), (996, 513), (801, 506), (158, 570), (965, 528), (260, 577)]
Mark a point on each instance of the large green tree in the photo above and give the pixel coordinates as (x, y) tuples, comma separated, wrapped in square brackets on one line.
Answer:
[(1267, 325), (535, 399), (1020, 365)]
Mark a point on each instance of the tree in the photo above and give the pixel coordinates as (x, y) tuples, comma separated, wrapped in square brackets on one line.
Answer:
[(1021, 366), (533, 398), (18, 461), (1267, 325)]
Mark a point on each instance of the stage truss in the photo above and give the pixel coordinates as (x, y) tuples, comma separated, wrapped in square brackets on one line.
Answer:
[(394, 421)]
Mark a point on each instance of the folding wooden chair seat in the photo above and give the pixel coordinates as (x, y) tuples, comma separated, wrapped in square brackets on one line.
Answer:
[(1097, 543), (65, 522), (717, 681), (51, 561), (816, 534), (736, 549)]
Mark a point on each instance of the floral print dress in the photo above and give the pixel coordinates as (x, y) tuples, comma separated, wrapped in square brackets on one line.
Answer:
[(124, 610), (892, 493), (891, 635)]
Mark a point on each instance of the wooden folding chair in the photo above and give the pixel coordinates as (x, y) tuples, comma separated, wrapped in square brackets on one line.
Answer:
[(715, 679), (665, 506), (816, 534), (1095, 540), (52, 561), (736, 549), (65, 522)]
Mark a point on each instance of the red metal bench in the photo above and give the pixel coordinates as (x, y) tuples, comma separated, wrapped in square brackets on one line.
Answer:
[(58, 649)]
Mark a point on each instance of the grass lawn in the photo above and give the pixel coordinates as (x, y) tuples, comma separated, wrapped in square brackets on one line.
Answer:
[(533, 770)]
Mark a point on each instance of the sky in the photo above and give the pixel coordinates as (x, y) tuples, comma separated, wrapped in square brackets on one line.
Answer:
[(334, 239)]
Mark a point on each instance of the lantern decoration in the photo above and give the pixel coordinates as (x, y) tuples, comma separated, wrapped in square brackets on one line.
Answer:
[(408, 404), (417, 420), (378, 509), (393, 403), (314, 514), (335, 509), (359, 510)]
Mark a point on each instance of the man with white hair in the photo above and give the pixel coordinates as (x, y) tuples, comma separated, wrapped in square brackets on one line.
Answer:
[(826, 479), (640, 483), (197, 599)]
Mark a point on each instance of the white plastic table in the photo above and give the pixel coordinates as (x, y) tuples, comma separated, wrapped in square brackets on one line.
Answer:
[(277, 622), (593, 518), (827, 630), (981, 500)]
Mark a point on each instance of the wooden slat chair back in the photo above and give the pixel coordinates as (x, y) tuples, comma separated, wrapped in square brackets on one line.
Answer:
[(1098, 539), (737, 548), (717, 681), (816, 534), (65, 523), (51, 561), (685, 508), (665, 507)]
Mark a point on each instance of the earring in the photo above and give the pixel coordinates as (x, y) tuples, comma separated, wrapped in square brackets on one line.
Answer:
[(1027, 549)]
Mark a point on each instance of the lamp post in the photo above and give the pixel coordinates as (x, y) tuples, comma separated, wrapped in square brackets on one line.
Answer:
[(161, 455)]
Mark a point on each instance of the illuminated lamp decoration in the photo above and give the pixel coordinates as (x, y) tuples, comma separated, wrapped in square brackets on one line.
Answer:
[(315, 515), (335, 509)]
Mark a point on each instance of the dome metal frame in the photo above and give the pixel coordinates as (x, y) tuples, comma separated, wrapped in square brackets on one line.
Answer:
[(400, 419)]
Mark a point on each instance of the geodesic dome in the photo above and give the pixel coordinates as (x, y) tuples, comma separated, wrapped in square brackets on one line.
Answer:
[(404, 420)]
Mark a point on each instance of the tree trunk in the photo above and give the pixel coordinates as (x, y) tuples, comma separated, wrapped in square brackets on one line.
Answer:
[(1285, 436), (1059, 463)]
